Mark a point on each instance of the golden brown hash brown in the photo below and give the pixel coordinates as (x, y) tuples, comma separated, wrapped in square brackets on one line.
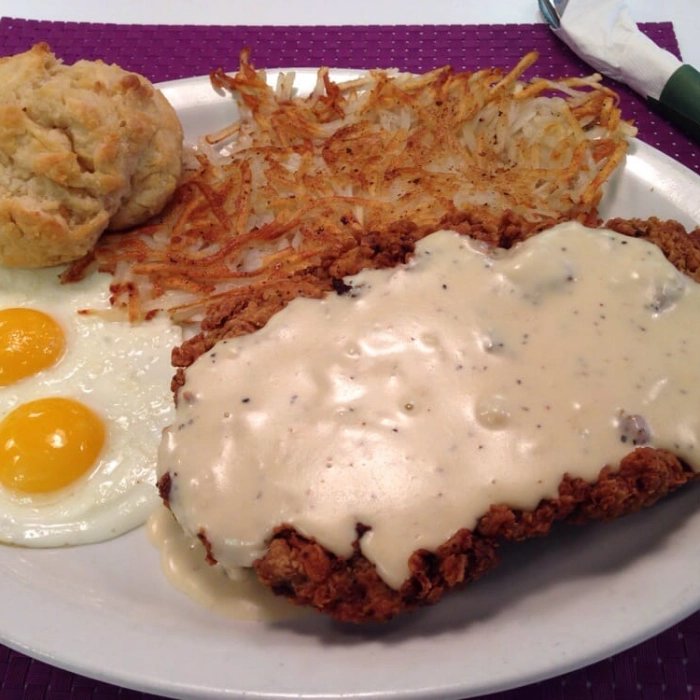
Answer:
[(349, 589), (308, 188)]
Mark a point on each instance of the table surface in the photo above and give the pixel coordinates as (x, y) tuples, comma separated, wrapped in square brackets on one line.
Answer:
[(22, 678), (685, 14)]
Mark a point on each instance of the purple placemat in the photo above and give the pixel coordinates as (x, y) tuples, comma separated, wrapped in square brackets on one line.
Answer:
[(666, 667)]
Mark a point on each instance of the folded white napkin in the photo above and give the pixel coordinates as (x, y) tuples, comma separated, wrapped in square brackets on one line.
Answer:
[(603, 34)]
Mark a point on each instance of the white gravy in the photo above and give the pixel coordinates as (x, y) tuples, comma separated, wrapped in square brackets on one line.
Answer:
[(236, 593), (463, 379)]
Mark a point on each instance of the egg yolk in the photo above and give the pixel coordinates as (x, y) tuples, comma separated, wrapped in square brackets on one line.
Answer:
[(30, 341), (47, 444)]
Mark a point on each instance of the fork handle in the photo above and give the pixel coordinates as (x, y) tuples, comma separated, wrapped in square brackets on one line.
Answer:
[(679, 101)]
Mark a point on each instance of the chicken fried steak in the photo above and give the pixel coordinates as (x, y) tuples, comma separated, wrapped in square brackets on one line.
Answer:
[(354, 445)]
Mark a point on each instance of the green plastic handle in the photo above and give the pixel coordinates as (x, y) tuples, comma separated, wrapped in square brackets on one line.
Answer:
[(679, 101)]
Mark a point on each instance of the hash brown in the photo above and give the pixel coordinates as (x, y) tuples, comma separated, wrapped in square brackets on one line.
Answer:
[(299, 182)]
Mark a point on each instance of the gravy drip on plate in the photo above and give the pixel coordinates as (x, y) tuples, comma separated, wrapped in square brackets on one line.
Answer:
[(236, 593), (428, 392)]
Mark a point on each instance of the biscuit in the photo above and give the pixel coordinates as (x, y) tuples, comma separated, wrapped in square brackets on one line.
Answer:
[(83, 148)]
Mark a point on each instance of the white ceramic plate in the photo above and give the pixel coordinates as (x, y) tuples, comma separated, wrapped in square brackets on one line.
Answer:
[(553, 605)]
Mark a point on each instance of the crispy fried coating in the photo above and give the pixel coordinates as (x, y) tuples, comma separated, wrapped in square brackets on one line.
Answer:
[(681, 247), (350, 590)]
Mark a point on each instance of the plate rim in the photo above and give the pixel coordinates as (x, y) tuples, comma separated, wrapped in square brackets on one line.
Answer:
[(52, 649)]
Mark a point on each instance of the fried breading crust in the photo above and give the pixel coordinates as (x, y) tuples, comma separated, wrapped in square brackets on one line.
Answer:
[(350, 589), (681, 247)]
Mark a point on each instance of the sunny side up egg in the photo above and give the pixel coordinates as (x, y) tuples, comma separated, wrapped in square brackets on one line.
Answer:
[(83, 401)]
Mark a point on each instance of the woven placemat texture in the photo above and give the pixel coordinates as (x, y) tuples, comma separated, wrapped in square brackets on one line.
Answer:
[(664, 668), (171, 52)]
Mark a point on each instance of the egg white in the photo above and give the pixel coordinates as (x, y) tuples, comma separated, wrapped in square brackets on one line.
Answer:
[(122, 372)]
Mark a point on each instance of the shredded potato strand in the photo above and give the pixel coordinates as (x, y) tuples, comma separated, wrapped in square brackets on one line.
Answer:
[(298, 179)]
